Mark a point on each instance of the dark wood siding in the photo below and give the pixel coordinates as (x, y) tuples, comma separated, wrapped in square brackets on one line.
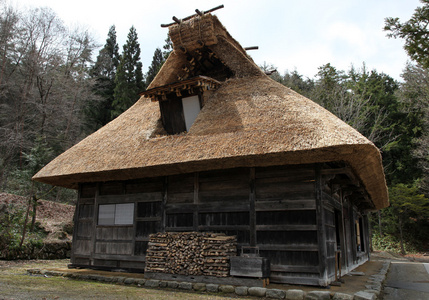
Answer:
[(83, 225), (289, 212), (286, 230)]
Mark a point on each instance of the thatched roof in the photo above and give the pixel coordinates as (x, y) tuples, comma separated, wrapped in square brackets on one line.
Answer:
[(250, 120)]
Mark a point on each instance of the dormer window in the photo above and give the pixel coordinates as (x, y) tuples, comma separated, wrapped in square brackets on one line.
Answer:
[(191, 109), (181, 102)]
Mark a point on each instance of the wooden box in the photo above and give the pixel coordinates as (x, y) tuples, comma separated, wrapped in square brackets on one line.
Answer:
[(257, 267)]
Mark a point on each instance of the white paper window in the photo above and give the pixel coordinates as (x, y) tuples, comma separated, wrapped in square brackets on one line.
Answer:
[(124, 214), (106, 214), (116, 214), (191, 109)]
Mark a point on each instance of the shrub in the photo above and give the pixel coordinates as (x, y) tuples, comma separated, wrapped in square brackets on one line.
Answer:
[(11, 227)]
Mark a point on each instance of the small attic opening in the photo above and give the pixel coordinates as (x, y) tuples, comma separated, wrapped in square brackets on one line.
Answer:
[(181, 102), (179, 113), (206, 63)]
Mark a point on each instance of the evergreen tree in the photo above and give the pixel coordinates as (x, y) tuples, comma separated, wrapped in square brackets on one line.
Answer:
[(407, 215), (157, 62), (168, 47), (159, 58), (129, 77), (414, 97), (104, 72), (415, 32), (295, 81)]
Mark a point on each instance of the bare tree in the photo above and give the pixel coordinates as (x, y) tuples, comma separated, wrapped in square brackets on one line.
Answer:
[(44, 84)]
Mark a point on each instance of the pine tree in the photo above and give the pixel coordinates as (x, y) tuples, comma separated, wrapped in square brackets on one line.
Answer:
[(168, 47), (159, 58), (108, 57), (157, 62), (415, 33), (104, 72), (129, 77)]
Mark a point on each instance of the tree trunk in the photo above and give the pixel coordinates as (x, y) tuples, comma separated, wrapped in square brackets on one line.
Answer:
[(379, 224), (33, 219), (401, 236), (24, 229)]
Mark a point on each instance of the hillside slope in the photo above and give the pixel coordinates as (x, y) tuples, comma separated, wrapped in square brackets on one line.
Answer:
[(56, 219)]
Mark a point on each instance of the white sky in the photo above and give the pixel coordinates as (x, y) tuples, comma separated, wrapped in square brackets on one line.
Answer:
[(291, 34)]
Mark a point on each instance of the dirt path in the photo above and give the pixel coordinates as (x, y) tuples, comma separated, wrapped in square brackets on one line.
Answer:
[(16, 284)]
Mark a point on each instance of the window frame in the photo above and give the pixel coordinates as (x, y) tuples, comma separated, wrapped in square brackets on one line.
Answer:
[(115, 217)]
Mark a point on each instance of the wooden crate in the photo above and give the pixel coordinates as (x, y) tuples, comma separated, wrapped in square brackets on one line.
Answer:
[(250, 266)]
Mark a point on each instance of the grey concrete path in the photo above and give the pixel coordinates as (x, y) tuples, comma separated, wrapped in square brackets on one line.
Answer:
[(407, 280)]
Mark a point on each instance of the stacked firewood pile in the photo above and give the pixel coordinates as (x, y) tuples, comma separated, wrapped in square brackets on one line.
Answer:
[(190, 253)]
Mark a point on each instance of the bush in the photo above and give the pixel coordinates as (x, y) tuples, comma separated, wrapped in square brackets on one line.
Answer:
[(12, 218), (391, 243)]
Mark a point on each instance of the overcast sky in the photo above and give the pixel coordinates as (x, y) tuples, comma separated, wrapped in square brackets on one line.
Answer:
[(301, 35)]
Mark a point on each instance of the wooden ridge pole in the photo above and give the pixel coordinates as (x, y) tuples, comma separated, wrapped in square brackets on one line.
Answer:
[(198, 13)]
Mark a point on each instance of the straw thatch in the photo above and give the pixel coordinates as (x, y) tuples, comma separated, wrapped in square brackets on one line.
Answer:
[(248, 121)]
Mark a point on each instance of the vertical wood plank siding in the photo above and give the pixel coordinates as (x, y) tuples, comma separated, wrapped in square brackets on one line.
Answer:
[(280, 209)]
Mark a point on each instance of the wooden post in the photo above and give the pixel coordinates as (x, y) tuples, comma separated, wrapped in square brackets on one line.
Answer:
[(75, 224), (353, 232), (367, 235), (196, 200), (252, 212), (133, 237), (321, 234), (337, 265), (94, 224), (345, 244), (164, 204)]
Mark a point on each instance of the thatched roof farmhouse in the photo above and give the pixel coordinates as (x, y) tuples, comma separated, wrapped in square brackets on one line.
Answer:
[(213, 134)]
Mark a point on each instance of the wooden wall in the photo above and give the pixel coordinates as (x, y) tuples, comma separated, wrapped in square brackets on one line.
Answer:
[(339, 217), (287, 211)]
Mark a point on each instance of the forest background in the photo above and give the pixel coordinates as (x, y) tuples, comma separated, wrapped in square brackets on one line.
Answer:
[(55, 90)]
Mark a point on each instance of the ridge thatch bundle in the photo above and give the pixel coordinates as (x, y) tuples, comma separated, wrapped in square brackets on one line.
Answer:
[(250, 120), (192, 34)]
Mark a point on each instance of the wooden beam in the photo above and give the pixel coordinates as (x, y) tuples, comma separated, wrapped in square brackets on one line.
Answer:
[(251, 48), (214, 8), (281, 205), (294, 280), (286, 227), (295, 269), (269, 72), (120, 257), (332, 201), (216, 207), (176, 20), (181, 84), (179, 229), (224, 227), (292, 247), (194, 15), (346, 170)]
